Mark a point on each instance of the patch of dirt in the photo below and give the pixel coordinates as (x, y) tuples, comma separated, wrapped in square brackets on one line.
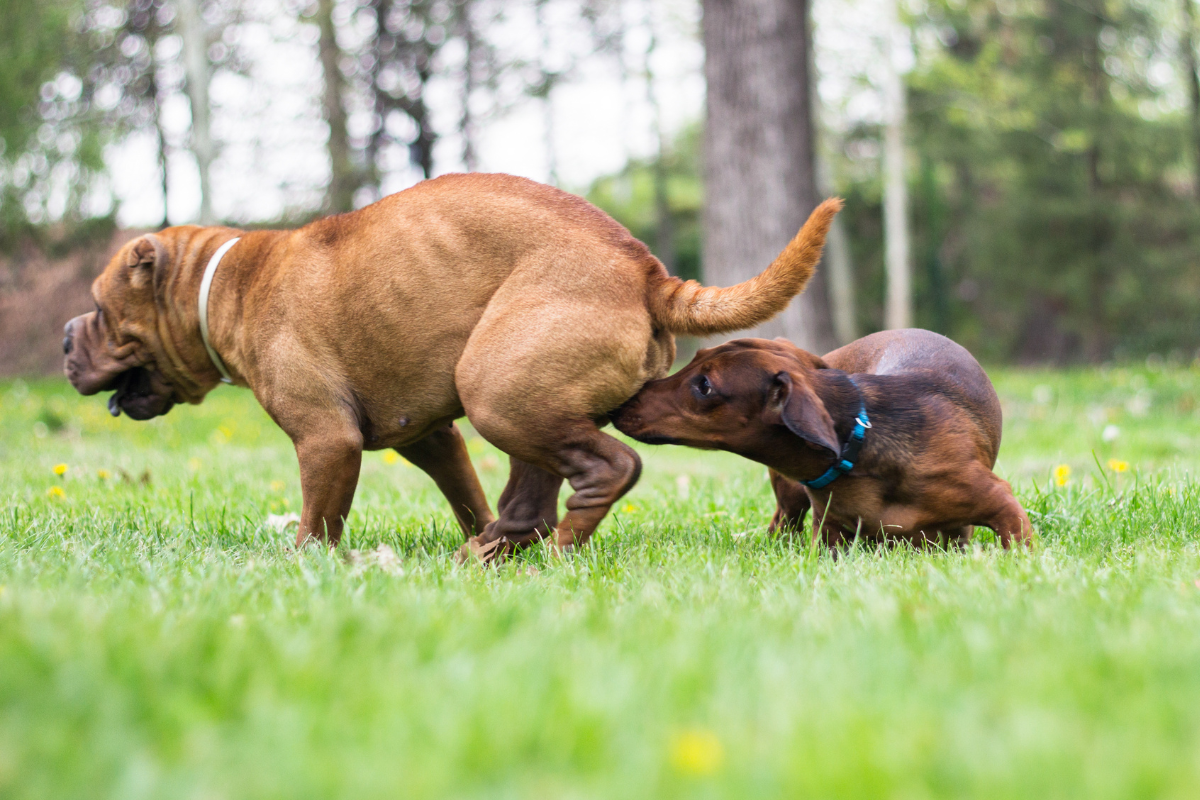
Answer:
[(38, 294)]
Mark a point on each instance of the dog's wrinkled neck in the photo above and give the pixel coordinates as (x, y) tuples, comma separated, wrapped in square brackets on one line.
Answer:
[(190, 369)]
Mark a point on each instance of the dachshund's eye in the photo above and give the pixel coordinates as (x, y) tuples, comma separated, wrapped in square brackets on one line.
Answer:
[(703, 387)]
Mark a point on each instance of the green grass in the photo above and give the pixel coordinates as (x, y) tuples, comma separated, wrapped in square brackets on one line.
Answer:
[(157, 640)]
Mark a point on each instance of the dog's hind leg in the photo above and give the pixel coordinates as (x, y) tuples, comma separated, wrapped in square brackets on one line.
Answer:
[(442, 455), (538, 373), (599, 468), (1002, 512), (528, 506)]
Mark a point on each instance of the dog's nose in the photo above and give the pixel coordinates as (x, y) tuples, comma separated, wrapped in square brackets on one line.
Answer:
[(67, 338)]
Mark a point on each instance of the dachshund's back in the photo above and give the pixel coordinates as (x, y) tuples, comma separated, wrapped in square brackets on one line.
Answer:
[(949, 368)]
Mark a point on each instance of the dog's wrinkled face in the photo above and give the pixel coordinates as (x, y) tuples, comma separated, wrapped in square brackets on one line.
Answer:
[(749, 396), (116, 347)]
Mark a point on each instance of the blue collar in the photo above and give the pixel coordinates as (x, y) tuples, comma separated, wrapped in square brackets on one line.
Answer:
[(850, 450)]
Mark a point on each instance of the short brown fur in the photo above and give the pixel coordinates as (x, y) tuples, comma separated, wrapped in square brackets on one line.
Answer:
[(523, 307), (925, 469)]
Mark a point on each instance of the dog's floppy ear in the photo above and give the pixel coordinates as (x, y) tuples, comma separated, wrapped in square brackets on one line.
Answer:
[(145, 260), (144, 252), (795, 405)]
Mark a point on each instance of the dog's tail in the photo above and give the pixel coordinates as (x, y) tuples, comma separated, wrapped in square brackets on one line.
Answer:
[(689, 308)]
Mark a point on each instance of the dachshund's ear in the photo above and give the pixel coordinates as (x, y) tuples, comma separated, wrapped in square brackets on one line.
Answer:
[(793, 404)]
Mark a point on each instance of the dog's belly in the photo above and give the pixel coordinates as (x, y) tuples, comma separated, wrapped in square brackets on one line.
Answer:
[(402, 399), (892, 521)]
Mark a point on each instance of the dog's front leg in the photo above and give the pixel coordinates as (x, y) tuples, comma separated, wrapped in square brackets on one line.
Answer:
[(791, 505), (329, 464), (443, 456)]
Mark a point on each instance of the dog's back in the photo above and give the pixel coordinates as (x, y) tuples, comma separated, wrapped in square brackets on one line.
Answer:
[(946, 365)]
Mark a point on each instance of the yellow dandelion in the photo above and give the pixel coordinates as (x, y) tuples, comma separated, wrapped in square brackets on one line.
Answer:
[(1062, 474), (390, 457), (102, 474), (629, 508), (55, 493), (60, 469), (194, 464), (697, 752), (277, 486), (1116, 465)]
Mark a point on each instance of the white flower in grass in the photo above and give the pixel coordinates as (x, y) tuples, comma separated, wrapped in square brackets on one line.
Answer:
[(383, 557), (281, 522), (1110, 433)]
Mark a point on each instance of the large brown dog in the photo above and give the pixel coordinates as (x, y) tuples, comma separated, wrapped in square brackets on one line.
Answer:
[(929, 437), (525, 308)]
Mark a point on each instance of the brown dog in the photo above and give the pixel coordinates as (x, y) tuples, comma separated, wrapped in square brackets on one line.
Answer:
[(911, 411), (525, 308)]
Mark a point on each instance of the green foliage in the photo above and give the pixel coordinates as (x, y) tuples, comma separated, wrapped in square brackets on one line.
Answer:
[(51, 137), (157, 639), (630, 197), (1054, 212)]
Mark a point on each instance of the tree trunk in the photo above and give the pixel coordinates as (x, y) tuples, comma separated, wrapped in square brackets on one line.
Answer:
[(466, 123), (339, 195), (159, 133), (898, 311), (545, 90), (760, 171), (1188, 43), (838, 262), (196, 66), (840, 269), (664, 224)]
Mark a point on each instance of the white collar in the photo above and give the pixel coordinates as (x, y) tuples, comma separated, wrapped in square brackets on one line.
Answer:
[(205, 286)]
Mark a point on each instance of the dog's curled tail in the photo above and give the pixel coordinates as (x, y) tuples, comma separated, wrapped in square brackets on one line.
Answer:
[(689, 308)]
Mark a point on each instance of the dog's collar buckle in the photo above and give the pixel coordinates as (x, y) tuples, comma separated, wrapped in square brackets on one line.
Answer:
[(850, 449), (205, 287)]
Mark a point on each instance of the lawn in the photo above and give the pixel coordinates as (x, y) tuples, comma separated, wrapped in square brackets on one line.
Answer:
[(159, 640)]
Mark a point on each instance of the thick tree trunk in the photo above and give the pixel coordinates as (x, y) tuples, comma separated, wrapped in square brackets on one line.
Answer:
[(898, 311), (339, 195), (760, 171), (196, 66)]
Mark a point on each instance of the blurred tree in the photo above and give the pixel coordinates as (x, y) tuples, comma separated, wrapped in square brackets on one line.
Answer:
[(1191, 73), (647, 190), (51, 134), (132, 51), (343, 178), (760, 169), (898, 312), (194, 31), (1051, 200)]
